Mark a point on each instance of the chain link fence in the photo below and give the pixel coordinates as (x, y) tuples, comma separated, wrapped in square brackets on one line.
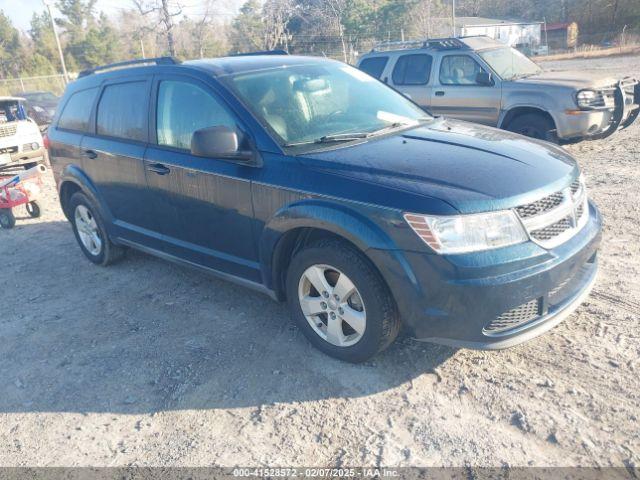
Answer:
[(48, 83)]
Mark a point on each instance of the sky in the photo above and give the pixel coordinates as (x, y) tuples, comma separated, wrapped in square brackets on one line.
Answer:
[(20, 11)]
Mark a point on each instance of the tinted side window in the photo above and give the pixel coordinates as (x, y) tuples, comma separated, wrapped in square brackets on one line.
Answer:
[(412, 69), (374, 66), (184, 108), (459, 70), (77, 111), (122, 111)]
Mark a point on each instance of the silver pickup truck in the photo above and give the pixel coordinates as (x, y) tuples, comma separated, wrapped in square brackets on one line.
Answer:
[(481, 80)]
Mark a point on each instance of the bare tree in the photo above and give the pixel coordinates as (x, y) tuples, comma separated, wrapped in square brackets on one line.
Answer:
[(165, 11), (276, 15)]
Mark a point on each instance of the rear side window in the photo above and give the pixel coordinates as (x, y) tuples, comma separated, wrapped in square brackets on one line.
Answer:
[(122, 111), (184, 108), (77, 111), (412, 69), (374, 66)]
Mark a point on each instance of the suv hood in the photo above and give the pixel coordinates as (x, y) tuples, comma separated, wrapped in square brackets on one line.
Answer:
[(573, 79), (471, 167)]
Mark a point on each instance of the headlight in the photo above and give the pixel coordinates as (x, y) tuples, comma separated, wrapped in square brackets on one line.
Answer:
[(589, 99), (468, 233), (38, 109)]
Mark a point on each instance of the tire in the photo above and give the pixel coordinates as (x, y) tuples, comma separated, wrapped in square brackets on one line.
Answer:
[(381, 320), (33, 209), (534, 125), (106, 252), (7, 219)]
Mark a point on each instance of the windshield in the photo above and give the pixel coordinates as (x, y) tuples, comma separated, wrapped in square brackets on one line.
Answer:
[(509, 63), (331, 102), (11, 111), (40, 97)]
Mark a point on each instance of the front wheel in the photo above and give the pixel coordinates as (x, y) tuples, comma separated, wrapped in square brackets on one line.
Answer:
[(340, 302), (534, 125), (7, 219)]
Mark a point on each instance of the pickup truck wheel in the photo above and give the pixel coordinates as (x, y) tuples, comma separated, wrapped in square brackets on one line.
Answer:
[(534, 125), (340, 302), (90, 232)]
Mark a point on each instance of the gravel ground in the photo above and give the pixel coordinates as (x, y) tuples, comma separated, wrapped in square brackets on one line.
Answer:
[(147, 363)]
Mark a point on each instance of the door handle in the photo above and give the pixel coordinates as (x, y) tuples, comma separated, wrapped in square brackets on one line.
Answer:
[(440, 93), (159, 168), (90, 154)]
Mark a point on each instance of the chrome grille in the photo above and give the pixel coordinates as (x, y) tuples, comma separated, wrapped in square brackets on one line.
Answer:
[(575, 186), (540, 206), (553, 230), (555, 218), (514, 317), (8, 130)]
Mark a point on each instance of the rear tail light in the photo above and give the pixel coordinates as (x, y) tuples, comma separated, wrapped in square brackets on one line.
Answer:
[(45, 141)]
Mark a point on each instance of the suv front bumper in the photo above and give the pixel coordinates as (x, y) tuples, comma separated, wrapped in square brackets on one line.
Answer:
[(457, 300), (576, 125)]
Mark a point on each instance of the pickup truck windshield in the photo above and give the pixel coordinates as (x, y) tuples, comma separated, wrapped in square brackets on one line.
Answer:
[(509, 63), (309, 104)]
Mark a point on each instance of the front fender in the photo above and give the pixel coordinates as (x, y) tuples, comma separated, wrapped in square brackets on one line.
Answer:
[(338, 219)]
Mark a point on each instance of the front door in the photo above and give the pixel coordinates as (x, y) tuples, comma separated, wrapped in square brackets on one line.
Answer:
[(202, 204), (456, 92)]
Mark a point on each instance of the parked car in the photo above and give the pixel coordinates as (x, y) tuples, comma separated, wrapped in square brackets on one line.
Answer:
[(308, 180), (482, 80), (20, 139), (41, 106)]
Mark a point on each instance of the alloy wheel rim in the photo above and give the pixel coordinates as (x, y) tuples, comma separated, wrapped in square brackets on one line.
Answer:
[(88, 230), (332, 305)]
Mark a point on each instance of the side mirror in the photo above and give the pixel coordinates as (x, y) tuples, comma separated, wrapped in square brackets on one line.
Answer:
[(218, 142), (484, 79)]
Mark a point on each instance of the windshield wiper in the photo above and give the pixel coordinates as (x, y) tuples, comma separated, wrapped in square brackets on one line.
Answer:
[(341, 137)]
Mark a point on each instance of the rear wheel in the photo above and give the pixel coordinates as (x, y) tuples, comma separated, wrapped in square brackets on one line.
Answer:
[(534, 125), (7, 219), (90, 232), (33, 209), (340, 302)]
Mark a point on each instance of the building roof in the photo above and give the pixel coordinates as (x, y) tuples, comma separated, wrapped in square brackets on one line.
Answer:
[(484, 21)]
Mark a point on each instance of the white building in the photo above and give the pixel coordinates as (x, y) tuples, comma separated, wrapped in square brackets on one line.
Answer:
[(527, 35)]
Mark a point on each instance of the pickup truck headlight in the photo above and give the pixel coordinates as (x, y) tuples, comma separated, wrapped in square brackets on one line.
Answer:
[(468, 233), (588, 99)]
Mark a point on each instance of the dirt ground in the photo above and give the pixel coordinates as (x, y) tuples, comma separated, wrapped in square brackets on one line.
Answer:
[(148, 363)]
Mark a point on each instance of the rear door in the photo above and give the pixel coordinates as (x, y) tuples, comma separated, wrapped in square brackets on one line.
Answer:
[(410, 76), (457, 94), (113, 154), (202, 204), (374, 66), (66, 136)]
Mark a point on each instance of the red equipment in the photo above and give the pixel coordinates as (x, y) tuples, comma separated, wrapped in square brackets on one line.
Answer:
[(21, 188)]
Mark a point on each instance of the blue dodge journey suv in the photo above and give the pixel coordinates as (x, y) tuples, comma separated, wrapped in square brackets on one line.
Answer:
[(311, 181)]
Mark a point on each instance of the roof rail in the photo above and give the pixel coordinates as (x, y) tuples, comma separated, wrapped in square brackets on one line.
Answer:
[(140, 61), (263, 52), (435, 43)]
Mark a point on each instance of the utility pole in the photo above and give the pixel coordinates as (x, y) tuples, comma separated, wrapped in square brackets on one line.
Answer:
[(47, 3), (453, 18)]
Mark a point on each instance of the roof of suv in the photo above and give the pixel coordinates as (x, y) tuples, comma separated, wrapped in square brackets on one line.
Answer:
[(478, 42), (216, 67)]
